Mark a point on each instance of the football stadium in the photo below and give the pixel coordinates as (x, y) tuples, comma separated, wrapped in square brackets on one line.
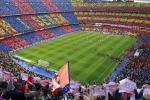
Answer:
[(75, 49)]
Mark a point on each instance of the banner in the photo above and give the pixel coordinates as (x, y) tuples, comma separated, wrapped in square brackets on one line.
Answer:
[(111, 87), (24, 76), (6, 74), (74, 84), (127, 86), (98, 91)]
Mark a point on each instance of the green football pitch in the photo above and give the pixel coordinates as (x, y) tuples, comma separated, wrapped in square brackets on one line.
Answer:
[(92, 56)]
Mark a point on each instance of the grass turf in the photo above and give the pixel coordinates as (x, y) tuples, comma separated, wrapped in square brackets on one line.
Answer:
[(84, 50)]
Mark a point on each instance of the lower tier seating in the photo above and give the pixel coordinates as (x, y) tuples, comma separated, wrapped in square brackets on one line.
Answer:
[(23, 40)]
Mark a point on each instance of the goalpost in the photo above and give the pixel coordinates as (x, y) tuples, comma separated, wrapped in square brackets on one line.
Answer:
[(43, 63)]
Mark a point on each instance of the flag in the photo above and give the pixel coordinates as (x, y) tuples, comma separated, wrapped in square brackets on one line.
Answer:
[(64, 75)]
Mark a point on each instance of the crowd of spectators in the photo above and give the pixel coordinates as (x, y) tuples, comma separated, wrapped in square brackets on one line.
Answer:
[(107, 29), (138, 67), (16, 88), (138, 75)]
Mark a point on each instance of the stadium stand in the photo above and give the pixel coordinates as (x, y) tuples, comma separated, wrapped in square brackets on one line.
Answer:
[(32, 21), (46, 34), (7, 8), (31, 37), (5, 47), (129, 17), (50, 6), (63, 5), (123, 20), (38, 6), (21, 78), (129, 22), (17, 24), (27, 22), (16, 42), (137, 68), (23, 40)]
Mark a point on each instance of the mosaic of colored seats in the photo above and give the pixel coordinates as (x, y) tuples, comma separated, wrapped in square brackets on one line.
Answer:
[(81, 5), (31, 21), (20, 41), (25, 22), (136, 23), (132, 17)]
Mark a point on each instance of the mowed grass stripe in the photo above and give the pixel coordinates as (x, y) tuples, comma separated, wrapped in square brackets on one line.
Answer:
[(92, 53), (110, 67), (81, 55), (64, 53), (81, 49), (67, 48), (103, 62)]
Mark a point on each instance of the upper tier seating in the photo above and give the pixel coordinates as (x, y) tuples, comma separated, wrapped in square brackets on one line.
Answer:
[(21, 7), (12, 25), (25, 22), (112, 7), (131, 22), (64, 5)]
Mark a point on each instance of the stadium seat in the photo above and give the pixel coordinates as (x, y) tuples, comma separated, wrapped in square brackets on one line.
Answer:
[(4, 47), (32, 37), (38, 6), (58, 31)]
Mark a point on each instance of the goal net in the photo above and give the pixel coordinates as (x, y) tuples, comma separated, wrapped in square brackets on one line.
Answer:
[(43, 63)]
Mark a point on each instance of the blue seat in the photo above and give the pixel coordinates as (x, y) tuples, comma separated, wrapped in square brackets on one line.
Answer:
[(12, 9), (70, 17), (63, 5), (16, 24), (7, 8), (31, 37), (76, 27), (57, 31), (144, 38), (38, 6), (4, 47)]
